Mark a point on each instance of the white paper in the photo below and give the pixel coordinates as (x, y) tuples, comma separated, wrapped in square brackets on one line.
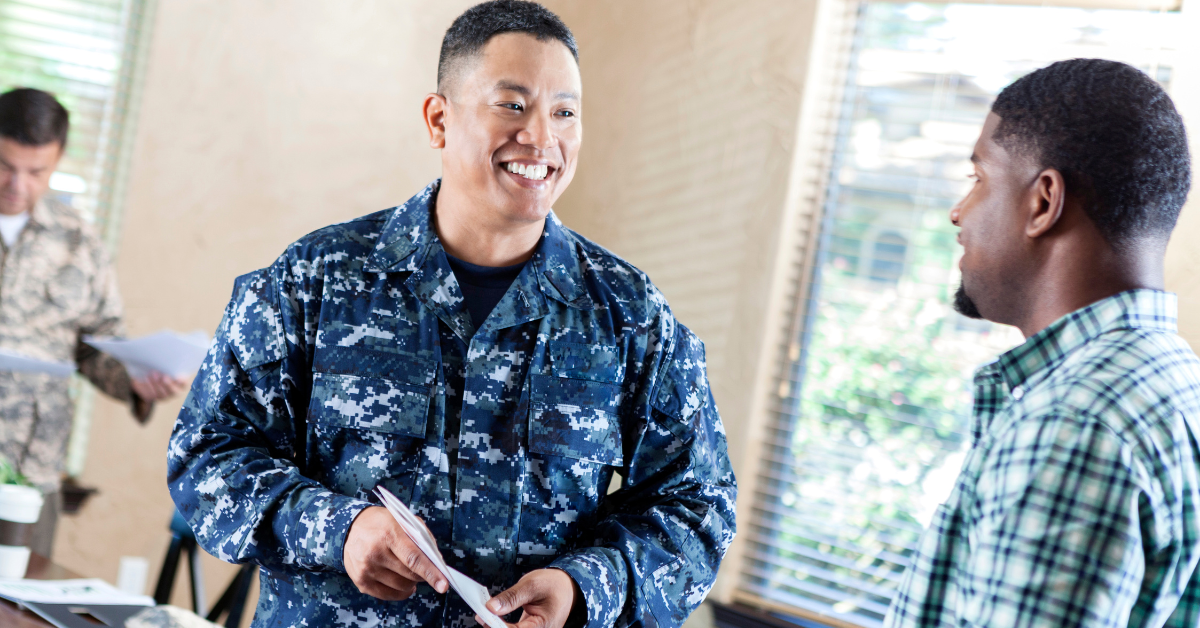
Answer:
[(168, 352), (474, 594), (10, 361), (87, 591)]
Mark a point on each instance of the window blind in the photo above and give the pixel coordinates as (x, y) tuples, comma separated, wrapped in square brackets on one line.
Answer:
[(83, 52), (88, 53), (869, 420)]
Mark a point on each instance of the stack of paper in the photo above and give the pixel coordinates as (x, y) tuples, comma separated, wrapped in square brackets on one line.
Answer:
[(168, 352), (80, 603), (83, 591), (474, 594)]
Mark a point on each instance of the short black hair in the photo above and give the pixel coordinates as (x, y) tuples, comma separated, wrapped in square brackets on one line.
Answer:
[(477, 25), (1115, 136), (33, 117)]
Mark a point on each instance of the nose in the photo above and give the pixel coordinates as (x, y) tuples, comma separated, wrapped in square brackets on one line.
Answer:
[(955, 213), (537, 133)]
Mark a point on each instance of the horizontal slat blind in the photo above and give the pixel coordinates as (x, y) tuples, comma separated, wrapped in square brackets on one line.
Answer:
[(80, 51), (871, 410)]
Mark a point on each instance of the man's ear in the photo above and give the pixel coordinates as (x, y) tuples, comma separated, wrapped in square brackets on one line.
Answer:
[(1047, 197), (435, 119)]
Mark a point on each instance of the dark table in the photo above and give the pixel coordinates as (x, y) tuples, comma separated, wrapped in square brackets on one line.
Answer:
[(40, 568)]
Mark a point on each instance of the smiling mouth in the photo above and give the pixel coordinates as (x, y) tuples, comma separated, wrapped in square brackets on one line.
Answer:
[(531, 172)]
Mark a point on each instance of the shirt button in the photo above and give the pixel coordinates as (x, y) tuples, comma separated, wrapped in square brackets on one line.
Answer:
[(1018, 392)]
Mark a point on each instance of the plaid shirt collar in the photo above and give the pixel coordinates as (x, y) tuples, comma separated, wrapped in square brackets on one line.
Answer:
[(1023, 367)]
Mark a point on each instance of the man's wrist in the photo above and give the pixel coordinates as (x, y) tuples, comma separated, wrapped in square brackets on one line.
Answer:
[(578, 616)]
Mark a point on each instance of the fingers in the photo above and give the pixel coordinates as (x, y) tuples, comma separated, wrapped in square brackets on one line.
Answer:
[(524, 591), (414, 561), (158, 386), (388, 586)]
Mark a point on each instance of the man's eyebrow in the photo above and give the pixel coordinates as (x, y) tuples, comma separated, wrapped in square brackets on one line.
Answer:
[(512, 87), (525, 91)]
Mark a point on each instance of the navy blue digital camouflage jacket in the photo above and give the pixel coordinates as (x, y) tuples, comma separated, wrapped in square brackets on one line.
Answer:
[(330, 375)]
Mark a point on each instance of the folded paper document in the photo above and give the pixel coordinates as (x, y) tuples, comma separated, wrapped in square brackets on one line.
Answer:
[(81, 603), (82, 591), (474, 594), (10, 361), (168, 352)]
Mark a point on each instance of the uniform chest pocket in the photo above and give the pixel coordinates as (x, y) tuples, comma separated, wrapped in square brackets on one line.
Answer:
[(371, 390), (67, 291), (370, 403), (575, 418)]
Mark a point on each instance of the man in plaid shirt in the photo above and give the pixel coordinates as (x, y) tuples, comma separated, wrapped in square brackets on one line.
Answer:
[(1079, 502)]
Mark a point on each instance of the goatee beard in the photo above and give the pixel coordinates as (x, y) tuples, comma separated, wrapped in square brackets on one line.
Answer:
[(964, 305)]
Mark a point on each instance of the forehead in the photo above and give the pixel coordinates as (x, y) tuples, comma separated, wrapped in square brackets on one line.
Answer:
[(987, 151), (523, 59), (16, 153)]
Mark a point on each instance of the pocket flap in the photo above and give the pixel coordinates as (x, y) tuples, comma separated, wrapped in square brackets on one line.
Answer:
[(599, 363), (575, 418), (370, 403), (403, 368)]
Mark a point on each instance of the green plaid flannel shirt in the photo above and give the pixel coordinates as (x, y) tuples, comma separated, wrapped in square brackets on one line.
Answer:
[(1079, 502)]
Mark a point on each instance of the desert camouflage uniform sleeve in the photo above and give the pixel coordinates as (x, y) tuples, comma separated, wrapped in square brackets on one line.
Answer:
[(232, 467), (105, 318), (655, 556)]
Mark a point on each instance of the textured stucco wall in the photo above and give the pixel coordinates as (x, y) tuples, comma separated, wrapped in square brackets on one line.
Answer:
[(690, 115)]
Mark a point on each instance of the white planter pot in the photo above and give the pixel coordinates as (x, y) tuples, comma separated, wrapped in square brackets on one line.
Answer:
[(20, 504), (13, 561)]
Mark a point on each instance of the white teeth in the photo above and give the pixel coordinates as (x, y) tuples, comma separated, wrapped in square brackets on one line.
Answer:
[(536, 173)]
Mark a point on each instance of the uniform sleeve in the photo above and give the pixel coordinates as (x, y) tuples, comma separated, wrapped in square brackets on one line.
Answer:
[(655, 556), (232, 467), (1058, 542), (106, 319)]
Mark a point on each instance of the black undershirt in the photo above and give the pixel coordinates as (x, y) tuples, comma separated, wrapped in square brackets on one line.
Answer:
[(482, 286)]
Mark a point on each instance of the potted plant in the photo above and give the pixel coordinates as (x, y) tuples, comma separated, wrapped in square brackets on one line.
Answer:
[(20, 507)]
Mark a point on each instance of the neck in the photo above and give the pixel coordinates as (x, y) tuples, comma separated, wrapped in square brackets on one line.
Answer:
[(481, 235), (1074, 279)]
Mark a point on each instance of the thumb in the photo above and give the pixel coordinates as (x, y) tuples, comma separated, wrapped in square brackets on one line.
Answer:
[(508, 601)]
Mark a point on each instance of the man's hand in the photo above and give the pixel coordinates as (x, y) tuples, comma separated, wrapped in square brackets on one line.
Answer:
[(546, 595), (382, 561), (157, 386)]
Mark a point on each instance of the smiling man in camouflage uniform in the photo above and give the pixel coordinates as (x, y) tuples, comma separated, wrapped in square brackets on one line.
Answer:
[(56, 285), (475, 357)]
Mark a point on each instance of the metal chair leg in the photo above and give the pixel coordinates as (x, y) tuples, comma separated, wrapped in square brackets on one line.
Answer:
[(166, 577)]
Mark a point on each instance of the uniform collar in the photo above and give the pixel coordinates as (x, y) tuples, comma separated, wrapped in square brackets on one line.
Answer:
[(40, 216), (408, 235), (1151, 310)]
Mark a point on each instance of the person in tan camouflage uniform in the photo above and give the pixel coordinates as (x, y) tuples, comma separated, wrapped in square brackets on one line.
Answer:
[(56, 285)]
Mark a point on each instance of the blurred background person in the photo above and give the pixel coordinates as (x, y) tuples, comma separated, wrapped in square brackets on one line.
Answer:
[(56, 285)]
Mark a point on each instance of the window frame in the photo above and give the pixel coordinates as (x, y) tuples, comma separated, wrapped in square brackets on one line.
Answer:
[(812, 166)]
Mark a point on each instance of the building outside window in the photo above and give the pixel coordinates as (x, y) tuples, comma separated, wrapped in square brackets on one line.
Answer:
[(870, 419)]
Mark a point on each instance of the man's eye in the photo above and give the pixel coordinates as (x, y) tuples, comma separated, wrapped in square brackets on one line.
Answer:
[(513, 106), (567, 113)]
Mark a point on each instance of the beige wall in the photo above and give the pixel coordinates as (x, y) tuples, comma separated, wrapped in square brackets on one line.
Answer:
[(260, 121), (688, 171)]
